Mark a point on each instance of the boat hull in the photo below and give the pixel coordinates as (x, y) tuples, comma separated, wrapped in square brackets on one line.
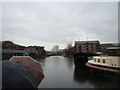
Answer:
[(106, 70), (80, 62)]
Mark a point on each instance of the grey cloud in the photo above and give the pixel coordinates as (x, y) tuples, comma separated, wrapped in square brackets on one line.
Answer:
[(60, 22)]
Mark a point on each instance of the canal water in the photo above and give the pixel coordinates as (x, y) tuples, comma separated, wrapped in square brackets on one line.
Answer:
[(60, 72)]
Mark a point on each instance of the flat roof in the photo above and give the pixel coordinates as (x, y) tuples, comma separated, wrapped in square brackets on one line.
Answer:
[(84, 42)]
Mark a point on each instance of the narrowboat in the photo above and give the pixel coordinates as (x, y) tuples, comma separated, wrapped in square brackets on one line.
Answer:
[(108, 63)]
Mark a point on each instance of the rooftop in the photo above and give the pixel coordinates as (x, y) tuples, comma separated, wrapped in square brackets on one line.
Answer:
[(84, 42)]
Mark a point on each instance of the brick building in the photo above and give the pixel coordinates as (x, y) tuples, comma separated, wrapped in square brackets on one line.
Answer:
[(87, 46)]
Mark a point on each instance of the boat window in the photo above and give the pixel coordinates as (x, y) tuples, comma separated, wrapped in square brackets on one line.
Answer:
[(103, 60), (95, 59), (98, 60)]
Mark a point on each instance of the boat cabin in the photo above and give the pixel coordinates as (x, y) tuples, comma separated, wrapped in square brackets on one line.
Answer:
[(109, 61), (113, 51), (113, 58)]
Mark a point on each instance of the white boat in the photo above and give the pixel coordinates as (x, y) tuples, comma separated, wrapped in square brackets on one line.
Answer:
[(110, 62)]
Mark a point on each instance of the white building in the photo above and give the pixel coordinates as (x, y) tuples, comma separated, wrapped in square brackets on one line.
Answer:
[(55, 49)]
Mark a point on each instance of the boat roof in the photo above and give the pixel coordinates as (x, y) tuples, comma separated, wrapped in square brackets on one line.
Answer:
[(113, 48), (13, 51)]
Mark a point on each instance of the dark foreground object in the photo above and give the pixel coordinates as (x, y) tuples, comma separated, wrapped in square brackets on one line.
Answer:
[(15, 76)]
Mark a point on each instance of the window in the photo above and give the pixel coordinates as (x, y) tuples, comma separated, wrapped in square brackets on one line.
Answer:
[(103, 60), (113, 64), (98, 60), (94, 59)]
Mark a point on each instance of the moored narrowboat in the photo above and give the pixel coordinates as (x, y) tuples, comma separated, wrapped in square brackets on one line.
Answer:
[(109, 63)]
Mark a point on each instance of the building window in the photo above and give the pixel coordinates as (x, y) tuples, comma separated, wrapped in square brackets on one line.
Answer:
[(80, 48), (103, 60), (98, 60)]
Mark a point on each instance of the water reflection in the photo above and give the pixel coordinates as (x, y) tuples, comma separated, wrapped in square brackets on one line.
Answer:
[(58, 72), (81, 74), (98, 80)]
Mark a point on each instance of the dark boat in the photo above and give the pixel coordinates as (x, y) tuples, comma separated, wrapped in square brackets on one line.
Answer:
[(80, 59), (8, 53)]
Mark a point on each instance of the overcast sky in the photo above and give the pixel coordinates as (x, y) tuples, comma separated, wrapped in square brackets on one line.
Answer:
[(52, 23)]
